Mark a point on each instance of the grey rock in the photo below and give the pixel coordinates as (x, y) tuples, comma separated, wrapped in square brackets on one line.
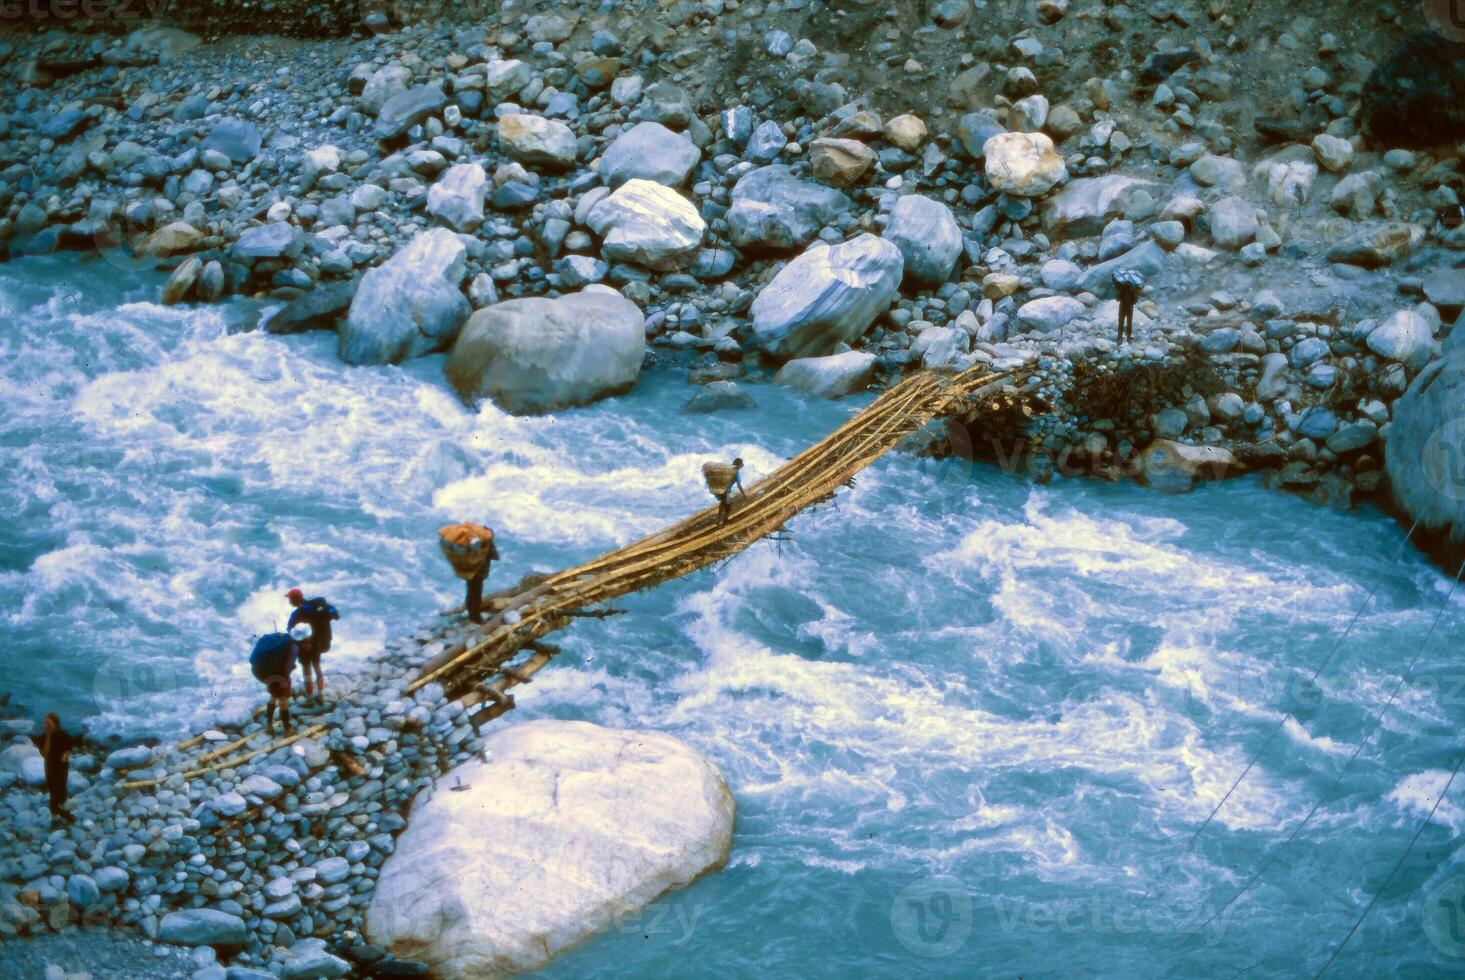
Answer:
[(766, 143), (278, 239), (410, 305), (319, 309), (649, 151), (1354, 436), (1233, 222), (773, 209), (541, 355), (719, 396), (1146, 258), (928, 237), (1405, 337), (203, 927), (1085, 206), (456, 198), (237, 139), (832, 376), (406, 109), (826, 295)]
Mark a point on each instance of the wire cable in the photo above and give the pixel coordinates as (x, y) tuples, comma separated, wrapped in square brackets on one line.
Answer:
[(1397, 865), (1373, 729), (1283, 720)]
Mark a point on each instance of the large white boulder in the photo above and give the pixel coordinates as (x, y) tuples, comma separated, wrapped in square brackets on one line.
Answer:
[(1424, 454), (409, 305), (829, 294), (539, 355), (535, 140), (457, 196), (833, 376), (1023, 164), (928, 237), (649, 151), (570, 828), (649, 224)]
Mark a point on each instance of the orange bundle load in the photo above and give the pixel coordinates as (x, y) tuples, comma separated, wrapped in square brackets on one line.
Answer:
[(467, 547)]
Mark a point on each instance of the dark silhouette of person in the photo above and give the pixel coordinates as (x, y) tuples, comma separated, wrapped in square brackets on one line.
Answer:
[(55, 745), (1128, 285)]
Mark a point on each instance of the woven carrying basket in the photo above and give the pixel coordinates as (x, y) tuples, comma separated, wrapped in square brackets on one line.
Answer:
[(719, 477), (466, 546)]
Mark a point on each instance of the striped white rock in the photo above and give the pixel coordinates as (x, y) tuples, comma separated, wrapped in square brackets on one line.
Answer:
[(649, 224), (409, 305), (1085, 206), (928, 237), (827, 295), (569, 829)]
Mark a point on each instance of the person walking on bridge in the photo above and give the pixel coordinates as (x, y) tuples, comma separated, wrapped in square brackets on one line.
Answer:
[(55, 745), (1128, 285), (470, 549), (721, 478), (317, 613), (272, 662)]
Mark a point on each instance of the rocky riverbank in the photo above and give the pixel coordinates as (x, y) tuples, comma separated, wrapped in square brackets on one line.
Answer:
[(387, 185)]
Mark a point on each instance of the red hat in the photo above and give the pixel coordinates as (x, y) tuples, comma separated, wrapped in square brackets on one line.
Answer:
[(295, 595)]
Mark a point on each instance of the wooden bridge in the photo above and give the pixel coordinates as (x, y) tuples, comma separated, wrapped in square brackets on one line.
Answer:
[(479, 675)]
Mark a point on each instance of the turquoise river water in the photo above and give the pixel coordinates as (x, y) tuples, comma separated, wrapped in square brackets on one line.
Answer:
[(972, 723)]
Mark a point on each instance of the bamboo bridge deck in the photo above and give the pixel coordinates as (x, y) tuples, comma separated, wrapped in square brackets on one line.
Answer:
[(479, 675)]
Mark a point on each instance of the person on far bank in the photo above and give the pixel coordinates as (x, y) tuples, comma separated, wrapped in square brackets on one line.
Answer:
[(470, 549), (721, 478), (1129, 285), (272, 662), (317, 613), (55, 745)]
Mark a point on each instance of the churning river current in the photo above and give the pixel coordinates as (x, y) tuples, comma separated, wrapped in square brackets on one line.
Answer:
[(972, 723)]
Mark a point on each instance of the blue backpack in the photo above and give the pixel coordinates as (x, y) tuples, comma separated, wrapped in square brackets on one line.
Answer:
[(273, 655)]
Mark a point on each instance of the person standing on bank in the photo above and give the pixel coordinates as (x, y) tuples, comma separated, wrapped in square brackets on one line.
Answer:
[(55, 745), (1129, 285), (470, 549), (317, 613)]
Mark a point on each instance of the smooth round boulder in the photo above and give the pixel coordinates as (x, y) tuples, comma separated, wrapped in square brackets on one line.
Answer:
[(538, 355), (1424, 456), (1023, 164), (569, 828)]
